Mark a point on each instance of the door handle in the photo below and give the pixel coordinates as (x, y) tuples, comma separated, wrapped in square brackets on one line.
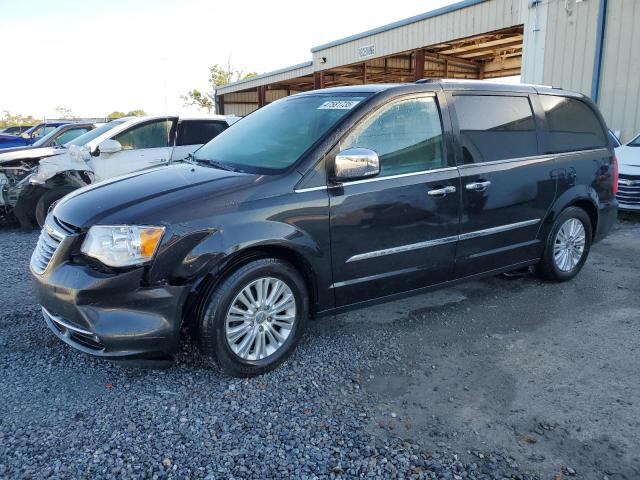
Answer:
[(441, 192), (478, 186), (162, 160)]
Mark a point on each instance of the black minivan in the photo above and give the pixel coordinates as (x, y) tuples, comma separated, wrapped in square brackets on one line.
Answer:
[(321, 202)]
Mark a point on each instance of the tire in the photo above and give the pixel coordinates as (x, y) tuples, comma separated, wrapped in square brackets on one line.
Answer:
[(221, 324), (554, 265), (47, 199)]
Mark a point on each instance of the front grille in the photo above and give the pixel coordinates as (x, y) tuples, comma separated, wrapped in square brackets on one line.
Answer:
[(629, 189), (51, 236)]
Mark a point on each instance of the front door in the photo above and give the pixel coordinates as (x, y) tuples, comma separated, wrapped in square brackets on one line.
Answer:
[(507, 187), (144, 145), (395, 232)]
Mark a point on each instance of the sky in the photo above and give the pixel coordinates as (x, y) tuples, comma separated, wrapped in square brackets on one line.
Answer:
[(97, 56)]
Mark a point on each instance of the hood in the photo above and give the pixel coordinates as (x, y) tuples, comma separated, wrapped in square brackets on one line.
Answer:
[(6, 137), (28, 153), (628, 160), (8, 141), (160, 196)]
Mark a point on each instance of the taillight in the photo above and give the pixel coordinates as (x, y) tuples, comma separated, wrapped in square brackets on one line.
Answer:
[(615, 175)]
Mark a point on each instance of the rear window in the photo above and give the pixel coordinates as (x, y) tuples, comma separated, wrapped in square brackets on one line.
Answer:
[(495, 127), (198, 132), (572, 125)]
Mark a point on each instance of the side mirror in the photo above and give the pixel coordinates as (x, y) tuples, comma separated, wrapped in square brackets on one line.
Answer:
[(110, 146), (355, 163)]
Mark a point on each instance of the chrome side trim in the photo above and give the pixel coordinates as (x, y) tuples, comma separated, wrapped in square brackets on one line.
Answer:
[(310, 189), (66, 325), (441, 241), (402, 175), (402, 248), (500, 229)]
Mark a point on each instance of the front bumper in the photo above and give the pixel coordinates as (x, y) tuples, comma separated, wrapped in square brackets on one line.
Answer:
[(110, 315)]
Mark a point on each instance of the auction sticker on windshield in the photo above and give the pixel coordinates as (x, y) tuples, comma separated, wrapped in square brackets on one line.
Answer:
[(339, 105)]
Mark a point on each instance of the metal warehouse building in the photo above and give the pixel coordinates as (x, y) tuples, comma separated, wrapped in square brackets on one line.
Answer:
[(591, 46)]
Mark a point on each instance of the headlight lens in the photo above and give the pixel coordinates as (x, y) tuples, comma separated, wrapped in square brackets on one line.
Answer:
[(122, 245)]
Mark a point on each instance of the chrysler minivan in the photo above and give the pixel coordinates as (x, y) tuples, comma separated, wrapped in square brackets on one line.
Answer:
[(321, 202)]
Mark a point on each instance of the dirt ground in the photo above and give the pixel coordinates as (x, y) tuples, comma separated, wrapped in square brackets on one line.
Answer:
[(548, 372)]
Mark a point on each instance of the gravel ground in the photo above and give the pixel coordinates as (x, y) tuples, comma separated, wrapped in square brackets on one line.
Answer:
[(515, 379)]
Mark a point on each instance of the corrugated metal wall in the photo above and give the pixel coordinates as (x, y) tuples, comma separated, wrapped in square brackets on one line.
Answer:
[(570, 44), (479, 18), (569, 55), (620, 79)]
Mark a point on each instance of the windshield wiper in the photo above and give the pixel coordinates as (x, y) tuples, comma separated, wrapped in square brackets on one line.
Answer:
[(217, 164), (191, 158)]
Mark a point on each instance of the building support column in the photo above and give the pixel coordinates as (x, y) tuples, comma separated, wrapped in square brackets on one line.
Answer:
[(261, 96), (318, 80), (418, 56), (219, 106)]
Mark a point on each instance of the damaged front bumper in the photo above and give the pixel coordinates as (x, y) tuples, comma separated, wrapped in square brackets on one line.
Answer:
[(111, 315)]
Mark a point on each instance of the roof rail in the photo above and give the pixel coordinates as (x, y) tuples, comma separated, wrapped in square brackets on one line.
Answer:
[(429, 80)]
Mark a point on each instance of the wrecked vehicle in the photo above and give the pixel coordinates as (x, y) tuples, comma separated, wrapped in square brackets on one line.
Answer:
[(29, 186), (30, 136)]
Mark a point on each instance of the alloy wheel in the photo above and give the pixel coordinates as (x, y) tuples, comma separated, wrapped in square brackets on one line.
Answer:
[(569, 245), (260, 319)]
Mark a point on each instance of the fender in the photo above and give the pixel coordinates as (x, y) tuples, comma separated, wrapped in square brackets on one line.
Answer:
[(210, 252), (577, 194)]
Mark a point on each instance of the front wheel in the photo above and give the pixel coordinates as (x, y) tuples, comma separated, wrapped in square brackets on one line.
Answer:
[(255, 317), (47, 199), (567, 246)]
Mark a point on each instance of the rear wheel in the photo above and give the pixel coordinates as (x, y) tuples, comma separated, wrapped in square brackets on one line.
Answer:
[(567, 247), (47, 199), (255, 317)]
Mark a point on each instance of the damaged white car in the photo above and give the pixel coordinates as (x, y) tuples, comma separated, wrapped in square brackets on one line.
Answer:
[(28, 187)]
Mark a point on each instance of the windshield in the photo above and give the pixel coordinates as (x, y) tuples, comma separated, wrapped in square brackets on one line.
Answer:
[(95, 133), (635, 142), (43, 140), (273, 138)]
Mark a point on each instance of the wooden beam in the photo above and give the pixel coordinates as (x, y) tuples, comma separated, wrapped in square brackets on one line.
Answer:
[(364, 73), (418, 72), (454, 60), (446, 69), (318, 80), (261, 96)]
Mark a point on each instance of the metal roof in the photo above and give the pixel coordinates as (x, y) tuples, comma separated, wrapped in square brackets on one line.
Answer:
[(400, 23), (222, 89)]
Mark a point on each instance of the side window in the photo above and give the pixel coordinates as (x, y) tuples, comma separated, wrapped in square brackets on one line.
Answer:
[(572, 125), (148, 135), (198, 132), (495, 127), (70, 135), (406, 135)]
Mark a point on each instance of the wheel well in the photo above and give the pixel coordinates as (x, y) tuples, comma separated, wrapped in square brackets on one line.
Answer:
[(196, 303), (591, 210)]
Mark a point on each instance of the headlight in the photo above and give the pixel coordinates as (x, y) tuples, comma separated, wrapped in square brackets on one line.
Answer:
[(122, 245)]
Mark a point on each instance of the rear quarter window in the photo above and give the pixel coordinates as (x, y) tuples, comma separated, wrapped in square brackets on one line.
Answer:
[(199, 132), (495, 127), (572, 125)]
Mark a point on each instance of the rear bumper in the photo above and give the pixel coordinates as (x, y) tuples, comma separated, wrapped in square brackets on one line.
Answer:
[(607, 217), (111, 316)]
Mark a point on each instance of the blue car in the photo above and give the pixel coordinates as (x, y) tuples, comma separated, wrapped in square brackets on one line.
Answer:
[(30, 136)]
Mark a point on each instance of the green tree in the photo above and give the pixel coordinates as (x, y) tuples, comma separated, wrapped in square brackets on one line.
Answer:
[(10, 120), (131, 113), (218, 75), (195, 97), (116, 114), (136, 113)]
